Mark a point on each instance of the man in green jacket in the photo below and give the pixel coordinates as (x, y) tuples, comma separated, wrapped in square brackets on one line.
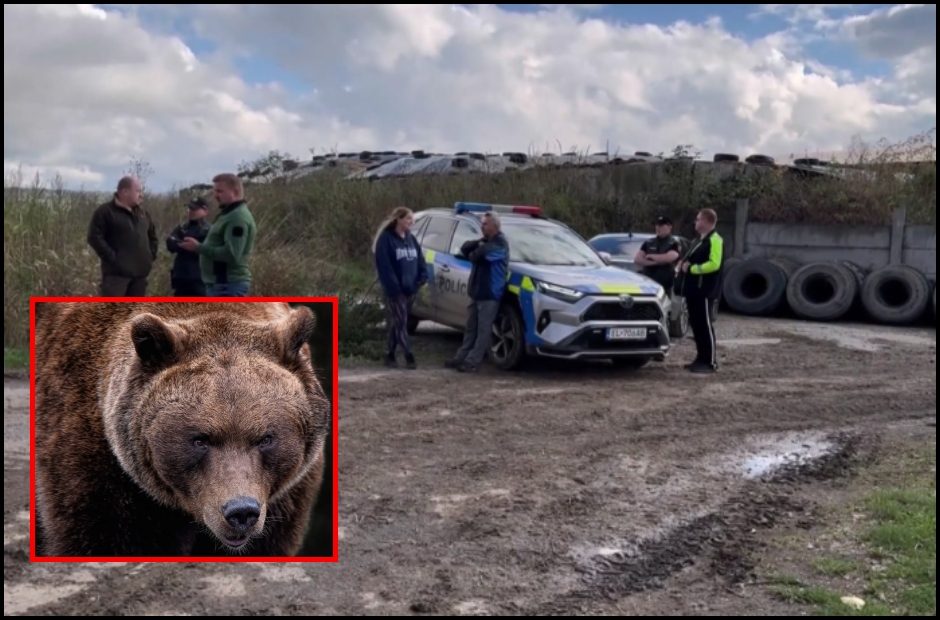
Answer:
[(223, 256)]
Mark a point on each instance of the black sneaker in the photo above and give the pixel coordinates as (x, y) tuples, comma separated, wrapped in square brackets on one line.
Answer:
[(453, 363), (465, 367), (702, 369), (390, 361), (410, 361)]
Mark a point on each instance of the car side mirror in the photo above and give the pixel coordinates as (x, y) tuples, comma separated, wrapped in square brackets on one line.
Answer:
[(606, 257)]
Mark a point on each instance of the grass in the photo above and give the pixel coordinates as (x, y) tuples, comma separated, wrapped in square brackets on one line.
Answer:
[(15, 358), (315, 233), (893, 529)]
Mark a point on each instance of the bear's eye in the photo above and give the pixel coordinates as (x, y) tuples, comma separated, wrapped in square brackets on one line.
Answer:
[(201, 442), (266, 442)]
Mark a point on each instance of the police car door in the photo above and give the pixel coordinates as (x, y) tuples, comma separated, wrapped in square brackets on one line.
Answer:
[(460, 273), (436, 244)]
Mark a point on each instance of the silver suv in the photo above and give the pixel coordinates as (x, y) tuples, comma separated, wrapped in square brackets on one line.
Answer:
[(562, 299)]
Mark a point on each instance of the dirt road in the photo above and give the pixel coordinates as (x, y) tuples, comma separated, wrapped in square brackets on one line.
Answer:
[(562, 488)]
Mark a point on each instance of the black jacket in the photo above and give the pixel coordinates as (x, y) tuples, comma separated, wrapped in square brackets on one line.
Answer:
[(124, 240), (704, 276), (186, 264)]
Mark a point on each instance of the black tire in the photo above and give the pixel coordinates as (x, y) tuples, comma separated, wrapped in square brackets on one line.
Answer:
[(822, 291), (727, 267), (413, 325), (896, 294), (757, 286), (726, 157), (632, 362), (760, 160), (507, 350), (857, 271), (679, 326)]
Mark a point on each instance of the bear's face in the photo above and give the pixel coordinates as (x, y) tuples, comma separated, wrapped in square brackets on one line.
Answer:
[(222, 429)]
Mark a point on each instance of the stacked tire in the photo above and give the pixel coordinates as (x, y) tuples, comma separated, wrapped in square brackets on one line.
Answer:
[(827, 291), (896, 294), (823, 291), (757, 286)]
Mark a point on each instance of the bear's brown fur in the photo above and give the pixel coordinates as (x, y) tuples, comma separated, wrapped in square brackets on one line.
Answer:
[(176, 428)]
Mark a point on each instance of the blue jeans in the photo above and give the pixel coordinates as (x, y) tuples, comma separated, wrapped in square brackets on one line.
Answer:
[(229, 289)]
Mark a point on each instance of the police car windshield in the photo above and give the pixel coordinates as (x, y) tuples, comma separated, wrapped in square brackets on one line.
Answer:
[(548, 245)]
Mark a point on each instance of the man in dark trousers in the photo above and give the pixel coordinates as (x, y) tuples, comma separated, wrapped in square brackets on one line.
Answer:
[(658, 256), (490, 258), (185, 277), (701, 269), (124, 238)]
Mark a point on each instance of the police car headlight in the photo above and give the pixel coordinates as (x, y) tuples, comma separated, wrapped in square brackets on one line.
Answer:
[(559, 292), (661, 295)]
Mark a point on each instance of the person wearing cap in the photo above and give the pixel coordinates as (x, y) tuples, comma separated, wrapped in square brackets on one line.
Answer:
[(658, 256), (701, 281), (123, 236), (185, 277), (225, 254)]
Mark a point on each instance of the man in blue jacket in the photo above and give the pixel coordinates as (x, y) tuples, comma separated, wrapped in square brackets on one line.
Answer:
[(490, 258)]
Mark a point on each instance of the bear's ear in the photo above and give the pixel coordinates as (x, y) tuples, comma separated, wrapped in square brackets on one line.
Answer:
[(158, 344), (295, 331)]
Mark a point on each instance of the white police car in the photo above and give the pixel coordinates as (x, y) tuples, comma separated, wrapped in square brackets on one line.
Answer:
[(562, 300)]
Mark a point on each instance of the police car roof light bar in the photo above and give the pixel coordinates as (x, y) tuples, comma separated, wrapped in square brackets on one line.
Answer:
[(485, 207)]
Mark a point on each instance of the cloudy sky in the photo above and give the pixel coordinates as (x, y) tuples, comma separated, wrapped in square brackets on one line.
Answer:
[(195, 90)]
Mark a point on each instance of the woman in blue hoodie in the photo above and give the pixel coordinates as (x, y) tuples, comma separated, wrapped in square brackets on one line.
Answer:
[(402, 271)]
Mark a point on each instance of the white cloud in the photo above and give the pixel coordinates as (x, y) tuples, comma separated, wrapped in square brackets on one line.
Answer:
[(85, 89)]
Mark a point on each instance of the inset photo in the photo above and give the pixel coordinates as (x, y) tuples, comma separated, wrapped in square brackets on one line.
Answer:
[(182, 431)]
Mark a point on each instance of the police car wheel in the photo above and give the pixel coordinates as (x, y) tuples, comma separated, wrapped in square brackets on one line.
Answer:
[(679, 325), (508, 345)]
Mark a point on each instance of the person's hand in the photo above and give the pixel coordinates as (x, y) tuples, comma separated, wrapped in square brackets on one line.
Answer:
[(189, 244)]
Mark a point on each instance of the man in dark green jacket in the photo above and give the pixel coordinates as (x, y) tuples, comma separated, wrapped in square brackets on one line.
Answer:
[(223, 256), (124, 238), (701, 269)]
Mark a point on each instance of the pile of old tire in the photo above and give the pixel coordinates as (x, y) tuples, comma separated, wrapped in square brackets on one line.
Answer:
[(824, 291), (896, 294), (757, 286)]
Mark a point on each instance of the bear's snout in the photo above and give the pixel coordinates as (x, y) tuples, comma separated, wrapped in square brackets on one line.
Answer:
[(241, 513)]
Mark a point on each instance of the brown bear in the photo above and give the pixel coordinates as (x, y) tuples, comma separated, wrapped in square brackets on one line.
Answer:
[(176, 429)]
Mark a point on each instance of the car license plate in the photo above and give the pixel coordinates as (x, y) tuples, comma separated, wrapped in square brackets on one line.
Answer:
[(626, 333)]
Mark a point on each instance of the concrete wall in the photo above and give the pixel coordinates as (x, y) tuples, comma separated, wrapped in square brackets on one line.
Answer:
[(870, 247), (920, 249)]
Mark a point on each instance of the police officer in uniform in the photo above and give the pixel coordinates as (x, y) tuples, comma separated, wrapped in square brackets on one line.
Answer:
[(658, 256)]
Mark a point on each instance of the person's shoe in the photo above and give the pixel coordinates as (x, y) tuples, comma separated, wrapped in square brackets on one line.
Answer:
[(690, 365), (410, 363), (390, 361), (702, 369), (465, 367), (453, 363)]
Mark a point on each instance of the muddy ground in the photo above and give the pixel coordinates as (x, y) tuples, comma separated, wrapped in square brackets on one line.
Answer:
[(559, 489)]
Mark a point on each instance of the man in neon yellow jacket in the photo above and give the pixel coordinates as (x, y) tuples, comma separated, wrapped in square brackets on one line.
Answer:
[(701, 269)]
